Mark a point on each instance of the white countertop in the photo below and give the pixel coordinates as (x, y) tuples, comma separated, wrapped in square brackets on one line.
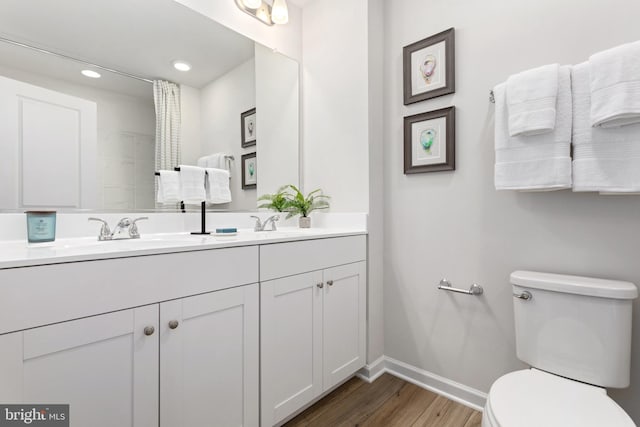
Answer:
[(21, 254)]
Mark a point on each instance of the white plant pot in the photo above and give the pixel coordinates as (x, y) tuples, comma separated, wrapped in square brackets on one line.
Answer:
[(305, 222)]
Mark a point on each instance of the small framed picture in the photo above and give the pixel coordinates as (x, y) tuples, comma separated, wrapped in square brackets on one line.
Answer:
[(248, 124), (429, 141), (429, 67), (249, 171)]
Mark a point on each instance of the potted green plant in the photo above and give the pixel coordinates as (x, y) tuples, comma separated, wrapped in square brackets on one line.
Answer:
[(298, 204), (278, 201)]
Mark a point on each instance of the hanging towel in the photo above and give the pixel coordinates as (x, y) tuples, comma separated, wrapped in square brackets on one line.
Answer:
[(531, 100), (604, 159), (192, 183), (537, 162), (216, 160), (218, 186), (615, 86), (168, 187)]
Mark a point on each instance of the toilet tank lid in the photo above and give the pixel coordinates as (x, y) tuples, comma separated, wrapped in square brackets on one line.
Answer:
[(589, 286)]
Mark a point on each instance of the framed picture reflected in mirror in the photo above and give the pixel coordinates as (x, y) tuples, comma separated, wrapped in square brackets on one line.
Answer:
[(249, 171), (248, 125)]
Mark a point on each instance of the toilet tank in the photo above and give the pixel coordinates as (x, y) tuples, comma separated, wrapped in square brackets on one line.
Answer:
[(575, 327)]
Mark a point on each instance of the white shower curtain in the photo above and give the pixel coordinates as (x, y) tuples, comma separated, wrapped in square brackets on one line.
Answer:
[(166, 96)]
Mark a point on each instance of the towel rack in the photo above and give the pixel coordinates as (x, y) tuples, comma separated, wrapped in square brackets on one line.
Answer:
[(177, 169), (475, 289), (492, 97)]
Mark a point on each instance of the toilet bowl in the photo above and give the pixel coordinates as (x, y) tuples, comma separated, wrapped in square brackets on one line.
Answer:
[(575, 333), (533, 398)]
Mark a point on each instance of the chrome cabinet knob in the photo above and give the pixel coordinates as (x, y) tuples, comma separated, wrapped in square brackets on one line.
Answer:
[(320, 285), (330, 282), (173, 324), (149, 330)]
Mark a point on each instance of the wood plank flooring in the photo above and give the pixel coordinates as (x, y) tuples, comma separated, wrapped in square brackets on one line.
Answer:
[(387, 402)]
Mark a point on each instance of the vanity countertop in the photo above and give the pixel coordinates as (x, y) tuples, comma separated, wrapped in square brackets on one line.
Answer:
[(21, 254)]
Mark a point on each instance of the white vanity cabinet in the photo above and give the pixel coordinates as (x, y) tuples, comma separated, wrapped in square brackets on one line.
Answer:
[(234, 336), (209, 359), (313, 323), (184, 357), (105, 367)]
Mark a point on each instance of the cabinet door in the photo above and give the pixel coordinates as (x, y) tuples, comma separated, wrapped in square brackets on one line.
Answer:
[(291, 344), (209, 359), (105, 367), (344, 322)]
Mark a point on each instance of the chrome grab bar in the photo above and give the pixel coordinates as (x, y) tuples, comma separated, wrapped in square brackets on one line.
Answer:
[(526, 295), (475, 289)]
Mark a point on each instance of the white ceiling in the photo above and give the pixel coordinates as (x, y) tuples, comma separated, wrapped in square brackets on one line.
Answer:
[(141, 37)]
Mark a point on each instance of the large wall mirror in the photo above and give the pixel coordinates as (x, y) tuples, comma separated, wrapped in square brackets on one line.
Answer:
[(72, 141)]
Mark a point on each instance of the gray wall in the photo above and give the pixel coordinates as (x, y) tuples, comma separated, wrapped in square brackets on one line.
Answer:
[(455, 225)]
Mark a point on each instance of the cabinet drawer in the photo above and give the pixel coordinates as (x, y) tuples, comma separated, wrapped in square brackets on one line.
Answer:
[(35, 296), (287, 259)]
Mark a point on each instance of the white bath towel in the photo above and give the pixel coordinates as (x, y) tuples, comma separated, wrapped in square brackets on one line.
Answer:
[(531, 100), (604, 159), (192, 182), (216, 160), (536, 162), (615, 86), (218, 190), (168, 187)]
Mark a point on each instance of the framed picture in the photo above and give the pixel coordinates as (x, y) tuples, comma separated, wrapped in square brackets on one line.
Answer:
[(249, 171), (248, 124), (429, 67), (429, 141)]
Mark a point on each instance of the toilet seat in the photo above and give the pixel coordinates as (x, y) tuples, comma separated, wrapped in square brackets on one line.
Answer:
[(533, 398)]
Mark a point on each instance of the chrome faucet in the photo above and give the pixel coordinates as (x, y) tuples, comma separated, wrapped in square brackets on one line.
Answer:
[(122, 224), (133, 228), (105, 231), (128, 223), (261, 226)]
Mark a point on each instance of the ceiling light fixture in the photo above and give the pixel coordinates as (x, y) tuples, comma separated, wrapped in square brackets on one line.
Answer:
[(280, 12), (181, 65), (90, 73), (264, 12)]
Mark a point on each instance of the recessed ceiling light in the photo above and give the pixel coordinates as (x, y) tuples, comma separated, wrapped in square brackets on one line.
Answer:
[(181, 66), (90, 73)]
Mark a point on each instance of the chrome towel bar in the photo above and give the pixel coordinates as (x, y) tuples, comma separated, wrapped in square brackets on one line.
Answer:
[(475, 289)]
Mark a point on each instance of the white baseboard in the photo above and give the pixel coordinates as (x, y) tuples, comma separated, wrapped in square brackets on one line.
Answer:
[(372, 371), (450, 389)]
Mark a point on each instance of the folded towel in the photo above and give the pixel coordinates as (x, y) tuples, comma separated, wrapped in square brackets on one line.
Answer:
[(192, 184), (537, 162), (615, 86), (168, 187), (531, 100), (216, 160), (604, 159), (218, 186)]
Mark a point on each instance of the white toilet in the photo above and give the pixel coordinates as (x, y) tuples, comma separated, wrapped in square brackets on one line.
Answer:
[(575, 333)]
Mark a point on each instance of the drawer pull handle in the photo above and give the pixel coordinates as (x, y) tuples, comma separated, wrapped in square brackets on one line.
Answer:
[(330, 282), (320, 285), (149, 330), (173, 324)]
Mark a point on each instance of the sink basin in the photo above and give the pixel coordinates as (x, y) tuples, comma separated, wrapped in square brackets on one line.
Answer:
[(84, 245)]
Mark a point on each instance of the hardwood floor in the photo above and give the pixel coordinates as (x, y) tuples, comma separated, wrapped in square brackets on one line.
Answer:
[(387, 402)]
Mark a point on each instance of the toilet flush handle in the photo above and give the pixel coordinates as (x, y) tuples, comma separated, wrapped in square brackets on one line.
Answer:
[(526, 295)]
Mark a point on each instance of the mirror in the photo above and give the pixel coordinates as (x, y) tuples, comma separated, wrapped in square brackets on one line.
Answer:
[(74, 142)]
